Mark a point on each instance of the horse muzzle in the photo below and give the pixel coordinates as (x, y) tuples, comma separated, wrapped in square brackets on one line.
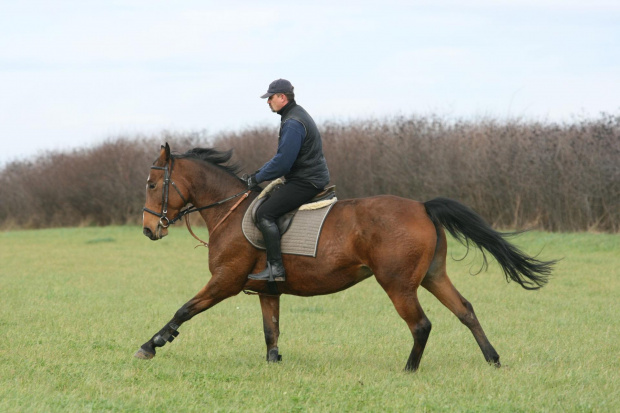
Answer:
[(159, 233)]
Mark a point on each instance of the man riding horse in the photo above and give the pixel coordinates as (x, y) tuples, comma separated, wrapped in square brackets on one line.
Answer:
[(300, 160)]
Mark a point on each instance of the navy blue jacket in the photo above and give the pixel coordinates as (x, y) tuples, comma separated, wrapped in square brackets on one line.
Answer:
[(300, 150)]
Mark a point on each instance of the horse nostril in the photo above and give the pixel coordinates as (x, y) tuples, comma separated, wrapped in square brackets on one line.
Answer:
[(147, 232)]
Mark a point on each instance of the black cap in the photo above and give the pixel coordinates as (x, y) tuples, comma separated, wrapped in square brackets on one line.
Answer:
[(278, 86)]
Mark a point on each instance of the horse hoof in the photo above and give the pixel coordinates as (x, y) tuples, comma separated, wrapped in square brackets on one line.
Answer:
[(143, 355), (273, 356)]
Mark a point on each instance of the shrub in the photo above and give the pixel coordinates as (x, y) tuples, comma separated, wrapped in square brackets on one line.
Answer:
[(516, 173)]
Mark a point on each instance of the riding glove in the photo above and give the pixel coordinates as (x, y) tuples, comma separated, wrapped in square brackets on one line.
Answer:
[(251, 181)]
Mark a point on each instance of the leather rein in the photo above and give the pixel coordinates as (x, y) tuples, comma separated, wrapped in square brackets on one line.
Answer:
[(165, 222)]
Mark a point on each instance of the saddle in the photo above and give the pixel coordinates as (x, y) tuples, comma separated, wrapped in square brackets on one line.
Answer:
[(284, 222)]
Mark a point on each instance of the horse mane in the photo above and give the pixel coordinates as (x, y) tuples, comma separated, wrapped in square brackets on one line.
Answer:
[(212, 156)]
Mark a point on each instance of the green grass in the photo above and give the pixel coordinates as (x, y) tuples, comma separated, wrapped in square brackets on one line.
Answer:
[(75, 304)]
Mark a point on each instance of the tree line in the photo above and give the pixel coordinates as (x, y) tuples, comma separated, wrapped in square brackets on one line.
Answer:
[(515, 173)]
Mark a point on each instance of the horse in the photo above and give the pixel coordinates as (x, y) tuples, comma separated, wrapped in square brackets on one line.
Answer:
[(400, 241)]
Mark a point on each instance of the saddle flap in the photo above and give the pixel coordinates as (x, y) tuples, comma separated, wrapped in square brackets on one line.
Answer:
[(284, 222)]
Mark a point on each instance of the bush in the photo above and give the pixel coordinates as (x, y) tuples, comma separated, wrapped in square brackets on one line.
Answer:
[(516, 173)]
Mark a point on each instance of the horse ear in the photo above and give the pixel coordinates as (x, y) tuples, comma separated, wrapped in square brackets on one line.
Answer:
[(164, 154), (167, 152)]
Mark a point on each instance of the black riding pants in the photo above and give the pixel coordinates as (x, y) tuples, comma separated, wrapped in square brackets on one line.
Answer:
[(287, 198)]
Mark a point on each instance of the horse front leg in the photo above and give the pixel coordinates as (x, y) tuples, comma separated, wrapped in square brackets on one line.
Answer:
[(210, 295), (270, 306)]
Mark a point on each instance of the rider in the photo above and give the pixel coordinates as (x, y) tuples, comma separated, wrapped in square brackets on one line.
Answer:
[(300, 160)]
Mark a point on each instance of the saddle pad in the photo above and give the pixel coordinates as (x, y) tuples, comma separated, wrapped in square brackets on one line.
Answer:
[(302, 237)]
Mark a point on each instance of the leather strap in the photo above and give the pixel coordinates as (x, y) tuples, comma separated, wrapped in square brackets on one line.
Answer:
[(204, 243)]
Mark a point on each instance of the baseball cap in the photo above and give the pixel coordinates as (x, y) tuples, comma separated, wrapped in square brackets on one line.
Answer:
[(278, 86)]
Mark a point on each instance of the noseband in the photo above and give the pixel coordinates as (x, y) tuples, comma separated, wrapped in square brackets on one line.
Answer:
[(164, 221)]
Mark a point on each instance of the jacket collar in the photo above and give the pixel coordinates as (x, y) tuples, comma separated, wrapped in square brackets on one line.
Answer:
[(286, 108)]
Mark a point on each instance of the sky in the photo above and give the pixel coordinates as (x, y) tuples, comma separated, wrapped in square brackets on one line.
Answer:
[(76, 73)]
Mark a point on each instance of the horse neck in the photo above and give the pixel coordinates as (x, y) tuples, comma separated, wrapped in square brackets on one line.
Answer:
[(209, 184)]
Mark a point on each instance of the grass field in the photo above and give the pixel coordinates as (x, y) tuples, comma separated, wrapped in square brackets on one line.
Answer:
[(77, 303)]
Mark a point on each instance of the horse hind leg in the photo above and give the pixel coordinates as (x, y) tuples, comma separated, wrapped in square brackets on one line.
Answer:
[(421, 329), (405, 300), (440, 286)]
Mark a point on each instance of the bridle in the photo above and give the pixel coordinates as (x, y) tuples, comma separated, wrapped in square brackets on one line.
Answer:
[(164, 221), (164, 195)]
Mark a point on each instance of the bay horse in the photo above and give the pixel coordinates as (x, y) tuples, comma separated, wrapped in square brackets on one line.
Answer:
[(399, 241)]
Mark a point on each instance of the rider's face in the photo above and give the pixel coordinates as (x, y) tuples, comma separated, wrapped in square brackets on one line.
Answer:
[(277, 101)]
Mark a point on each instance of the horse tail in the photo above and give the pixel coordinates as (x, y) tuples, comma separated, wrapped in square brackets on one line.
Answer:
[(470, 228)]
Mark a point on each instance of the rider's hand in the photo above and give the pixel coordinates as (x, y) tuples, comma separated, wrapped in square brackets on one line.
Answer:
[(250, 181)]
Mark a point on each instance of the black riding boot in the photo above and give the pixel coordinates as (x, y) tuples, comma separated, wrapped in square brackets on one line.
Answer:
[(275, 268)]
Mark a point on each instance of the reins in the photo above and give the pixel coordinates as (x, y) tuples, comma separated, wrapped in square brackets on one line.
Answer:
[(218, 203), (189, 227)]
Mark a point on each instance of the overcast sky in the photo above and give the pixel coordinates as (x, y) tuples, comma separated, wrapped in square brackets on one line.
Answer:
[(73, 73)]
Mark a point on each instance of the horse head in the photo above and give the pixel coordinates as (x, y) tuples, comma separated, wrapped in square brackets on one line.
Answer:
[(161, 203)]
